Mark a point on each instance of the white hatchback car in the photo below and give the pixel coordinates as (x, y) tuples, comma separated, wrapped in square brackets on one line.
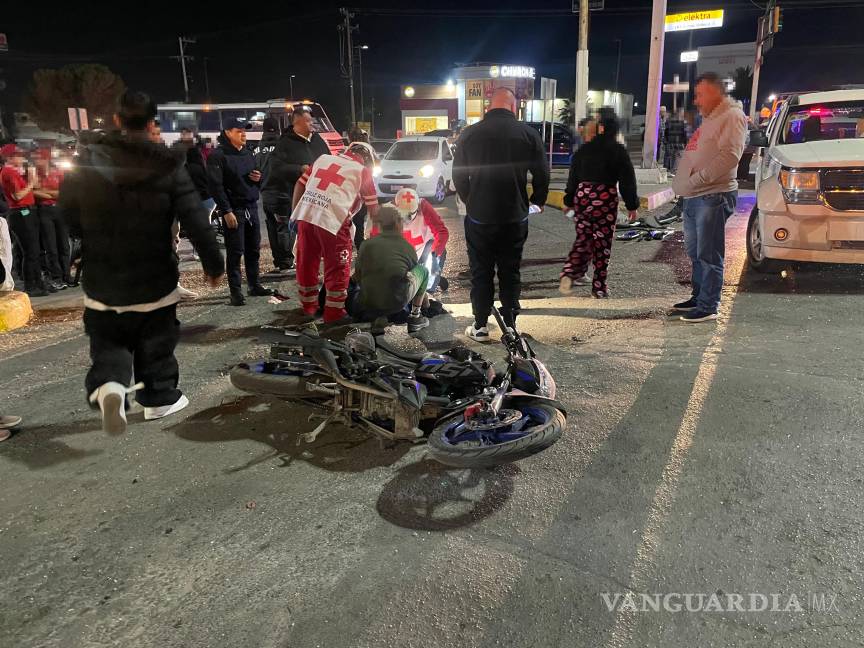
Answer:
[(424, 164), (810, 182)]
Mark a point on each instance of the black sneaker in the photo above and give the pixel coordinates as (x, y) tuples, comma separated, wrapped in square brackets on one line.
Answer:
[(37, 292), (237, 299), (683, 307), (696, 316), (259, 291), (417, 323)]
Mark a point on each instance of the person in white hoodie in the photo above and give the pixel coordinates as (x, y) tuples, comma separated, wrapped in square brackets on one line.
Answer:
[(706, 180)]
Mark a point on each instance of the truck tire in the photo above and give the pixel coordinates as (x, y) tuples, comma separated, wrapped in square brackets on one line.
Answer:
[(755, 247)]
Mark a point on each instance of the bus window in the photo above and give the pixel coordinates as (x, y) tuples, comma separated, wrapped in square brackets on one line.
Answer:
[(173, 121), (256, 120), (208, 120)]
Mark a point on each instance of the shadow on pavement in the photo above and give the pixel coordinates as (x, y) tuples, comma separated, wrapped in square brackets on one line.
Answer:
[(428, 496), (41, 447), (279, 425), (806, 279)]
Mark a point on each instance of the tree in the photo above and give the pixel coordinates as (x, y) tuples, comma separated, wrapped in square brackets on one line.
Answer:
[(89, 86), (743, 79), (566, 114)]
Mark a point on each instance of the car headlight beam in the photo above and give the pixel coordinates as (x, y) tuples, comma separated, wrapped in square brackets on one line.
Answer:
[(426, 171)]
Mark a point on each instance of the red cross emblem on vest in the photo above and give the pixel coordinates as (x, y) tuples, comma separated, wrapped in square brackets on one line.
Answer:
[(329, 176)]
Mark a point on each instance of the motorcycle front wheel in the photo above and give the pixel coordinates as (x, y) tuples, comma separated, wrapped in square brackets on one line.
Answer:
[(453, 443)]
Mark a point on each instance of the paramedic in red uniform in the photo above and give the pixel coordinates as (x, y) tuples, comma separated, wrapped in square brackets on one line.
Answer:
[(325, 199), (419, 232)]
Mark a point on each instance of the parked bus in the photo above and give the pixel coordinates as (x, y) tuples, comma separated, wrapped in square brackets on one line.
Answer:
[(206, 119)]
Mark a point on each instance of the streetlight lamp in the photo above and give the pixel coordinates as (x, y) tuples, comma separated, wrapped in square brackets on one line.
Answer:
[(291, 85), (360, 49)]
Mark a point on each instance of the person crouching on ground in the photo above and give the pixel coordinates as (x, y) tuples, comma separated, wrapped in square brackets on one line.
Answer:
[(122, 202), (325, 199), (389, 277), (597, 167), (422, 227)]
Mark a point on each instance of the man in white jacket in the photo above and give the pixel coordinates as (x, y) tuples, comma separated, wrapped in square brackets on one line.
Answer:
[(706, 181)]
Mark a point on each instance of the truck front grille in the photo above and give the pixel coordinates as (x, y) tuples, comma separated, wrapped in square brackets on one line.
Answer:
[(843, 189)]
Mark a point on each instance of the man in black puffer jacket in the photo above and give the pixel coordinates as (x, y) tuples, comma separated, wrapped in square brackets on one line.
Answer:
[(277, 229), (122, 201), (297, 149), (234, 181)]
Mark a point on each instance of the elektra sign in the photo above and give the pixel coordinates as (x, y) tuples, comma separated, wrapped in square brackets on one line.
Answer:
[(511, 72)]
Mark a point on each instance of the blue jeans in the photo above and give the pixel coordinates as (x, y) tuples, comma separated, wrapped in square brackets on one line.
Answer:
[(705, 240)]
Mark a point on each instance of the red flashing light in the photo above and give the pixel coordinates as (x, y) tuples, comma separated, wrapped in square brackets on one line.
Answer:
[(820, 112)]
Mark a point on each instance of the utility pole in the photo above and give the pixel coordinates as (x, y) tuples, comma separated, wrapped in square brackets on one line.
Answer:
[(349, 50), (655, 79), (769, 24), (360, 49), (206, 81), (183, 41), (581, 105), (618, 65), (291, 85)]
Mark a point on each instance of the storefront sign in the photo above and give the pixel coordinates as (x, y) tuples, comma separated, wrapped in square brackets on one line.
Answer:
[(690, 57), (474, 89), (511, 72), (694, 20)]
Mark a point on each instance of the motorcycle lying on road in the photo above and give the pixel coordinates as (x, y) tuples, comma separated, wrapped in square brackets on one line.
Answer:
[(479, 417)]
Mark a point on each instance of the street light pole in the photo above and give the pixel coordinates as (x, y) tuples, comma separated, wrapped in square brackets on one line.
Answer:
[(350, 50), (655, 79), (291, 85), (618, 65), (581, 105), (360, 49), (183, 41)]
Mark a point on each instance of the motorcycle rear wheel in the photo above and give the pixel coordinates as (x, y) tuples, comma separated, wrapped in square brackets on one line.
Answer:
[(545, 427), (248, 377)]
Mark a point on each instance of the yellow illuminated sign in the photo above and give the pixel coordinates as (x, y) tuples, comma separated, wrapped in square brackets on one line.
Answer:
[(694, 20)]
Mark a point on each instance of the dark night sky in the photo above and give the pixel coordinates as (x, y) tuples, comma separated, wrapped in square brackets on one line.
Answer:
[(250, 54)]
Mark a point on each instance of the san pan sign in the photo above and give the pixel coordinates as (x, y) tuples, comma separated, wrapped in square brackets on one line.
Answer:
[(694, 20)]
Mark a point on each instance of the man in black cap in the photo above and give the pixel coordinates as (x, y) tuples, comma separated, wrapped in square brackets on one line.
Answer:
[(234, 181), (277, 228), (296, 151)]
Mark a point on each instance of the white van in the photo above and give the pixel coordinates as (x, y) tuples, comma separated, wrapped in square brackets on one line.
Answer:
[(810, 182)]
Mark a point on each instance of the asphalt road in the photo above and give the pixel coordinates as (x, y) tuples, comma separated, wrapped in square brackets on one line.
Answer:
[(714, 459)]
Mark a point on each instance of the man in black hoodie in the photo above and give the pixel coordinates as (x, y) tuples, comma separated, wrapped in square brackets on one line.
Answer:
[(122, 201), (297, 150), (234, 181), (277, 229), (490, 171)]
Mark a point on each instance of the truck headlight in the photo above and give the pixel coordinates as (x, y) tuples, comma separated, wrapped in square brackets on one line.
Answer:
[(426, 171), (376, 171), (800, 186)]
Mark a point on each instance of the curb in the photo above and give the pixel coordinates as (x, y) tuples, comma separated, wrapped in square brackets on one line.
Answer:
[(15, 310), (649, 201)]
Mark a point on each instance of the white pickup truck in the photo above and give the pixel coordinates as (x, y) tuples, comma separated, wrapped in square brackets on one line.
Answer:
[(810, 182)]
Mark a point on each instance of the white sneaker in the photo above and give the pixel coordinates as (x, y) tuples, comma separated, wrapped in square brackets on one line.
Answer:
[(151, 413), (112, 402), (478, 334), (186, 294)]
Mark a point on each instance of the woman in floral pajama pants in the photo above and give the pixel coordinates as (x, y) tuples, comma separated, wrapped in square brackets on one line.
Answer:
[(596, 206), (597, 167)]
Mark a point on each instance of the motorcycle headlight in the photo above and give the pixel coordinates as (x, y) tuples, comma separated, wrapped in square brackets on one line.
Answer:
[(800, 186), (426, 171), (376, 171)]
